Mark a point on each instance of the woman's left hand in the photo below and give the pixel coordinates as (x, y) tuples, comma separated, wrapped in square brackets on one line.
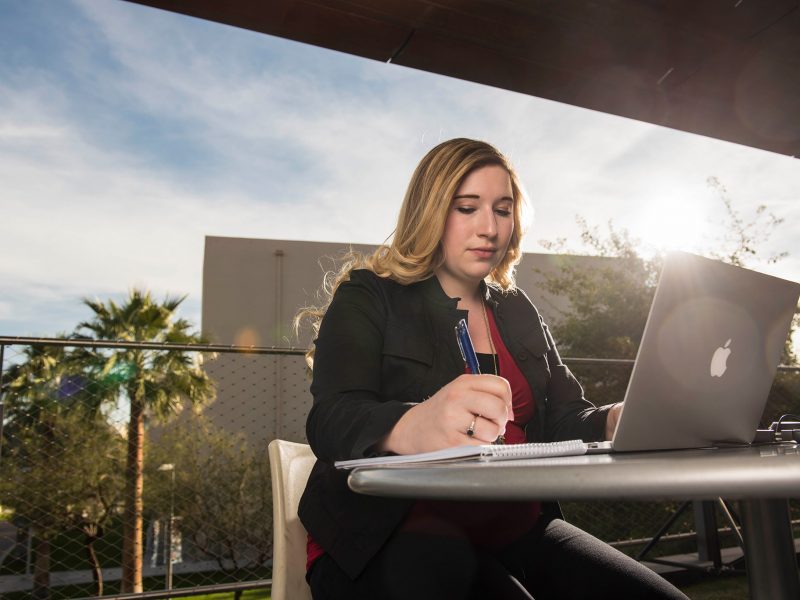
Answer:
[(612, 418)]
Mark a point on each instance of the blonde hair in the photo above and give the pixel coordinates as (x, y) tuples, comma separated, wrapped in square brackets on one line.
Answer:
[(414, 252)]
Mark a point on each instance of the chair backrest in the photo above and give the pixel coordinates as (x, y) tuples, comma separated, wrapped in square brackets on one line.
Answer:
[(290, 465)]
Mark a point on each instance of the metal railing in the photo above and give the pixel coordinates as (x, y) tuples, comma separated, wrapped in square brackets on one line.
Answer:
[(218, 460)]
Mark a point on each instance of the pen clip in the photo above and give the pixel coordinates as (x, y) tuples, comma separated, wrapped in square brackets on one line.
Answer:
[(466, 347), (460, 343)]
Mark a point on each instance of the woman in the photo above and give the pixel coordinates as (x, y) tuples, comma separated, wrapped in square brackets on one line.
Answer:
[(388, 377)]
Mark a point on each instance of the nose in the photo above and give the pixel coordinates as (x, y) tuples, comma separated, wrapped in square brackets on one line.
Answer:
[(487, 223)]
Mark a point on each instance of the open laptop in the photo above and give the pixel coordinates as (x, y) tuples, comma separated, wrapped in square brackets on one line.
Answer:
[(708, 355)]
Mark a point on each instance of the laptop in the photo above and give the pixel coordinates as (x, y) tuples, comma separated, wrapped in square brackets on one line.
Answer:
[(710, 349)]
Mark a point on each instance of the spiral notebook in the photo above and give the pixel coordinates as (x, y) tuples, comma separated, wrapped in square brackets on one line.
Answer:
[(486, 453)]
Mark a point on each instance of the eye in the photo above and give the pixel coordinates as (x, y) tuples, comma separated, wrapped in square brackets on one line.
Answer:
[(503, 211), (465, 210)]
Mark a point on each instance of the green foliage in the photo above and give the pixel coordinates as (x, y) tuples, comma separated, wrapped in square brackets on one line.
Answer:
[(62, 471), (719, 587), (608, 304), (65, 463), (61, 460), (784, 398), (222, 491), (608, 307)]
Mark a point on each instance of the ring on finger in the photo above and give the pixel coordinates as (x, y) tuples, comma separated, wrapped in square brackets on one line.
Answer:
[(471, 428)]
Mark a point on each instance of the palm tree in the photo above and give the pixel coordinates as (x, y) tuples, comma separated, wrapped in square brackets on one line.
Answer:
[(154, 382), (32, 385)]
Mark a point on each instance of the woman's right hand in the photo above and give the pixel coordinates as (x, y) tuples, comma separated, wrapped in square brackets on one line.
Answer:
[(442, 420)]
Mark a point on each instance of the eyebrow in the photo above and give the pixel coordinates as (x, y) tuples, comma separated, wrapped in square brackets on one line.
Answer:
[(477, 197)]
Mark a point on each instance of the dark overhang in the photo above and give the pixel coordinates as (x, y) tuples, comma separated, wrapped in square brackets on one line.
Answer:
[(729, 69)]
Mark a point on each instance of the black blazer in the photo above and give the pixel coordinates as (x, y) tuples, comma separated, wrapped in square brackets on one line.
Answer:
[(383, 347)]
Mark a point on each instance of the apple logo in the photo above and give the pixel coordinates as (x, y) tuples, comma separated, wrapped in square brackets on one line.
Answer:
[(719, 362)]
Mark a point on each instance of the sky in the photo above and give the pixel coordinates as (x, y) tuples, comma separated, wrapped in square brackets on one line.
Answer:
[(128, 134)]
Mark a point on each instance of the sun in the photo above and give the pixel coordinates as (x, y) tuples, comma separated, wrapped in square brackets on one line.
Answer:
[(670, 222)]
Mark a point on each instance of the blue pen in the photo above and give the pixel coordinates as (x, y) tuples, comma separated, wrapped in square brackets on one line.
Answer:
[(466, 347), (470, 358)]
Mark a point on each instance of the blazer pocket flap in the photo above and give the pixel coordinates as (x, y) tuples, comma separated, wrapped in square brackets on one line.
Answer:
[(408, 340)]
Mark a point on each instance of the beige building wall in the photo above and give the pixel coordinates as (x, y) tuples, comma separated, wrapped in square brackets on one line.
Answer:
[(252, 288)]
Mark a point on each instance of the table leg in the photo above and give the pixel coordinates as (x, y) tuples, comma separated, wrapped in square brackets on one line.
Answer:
[(769, 550)]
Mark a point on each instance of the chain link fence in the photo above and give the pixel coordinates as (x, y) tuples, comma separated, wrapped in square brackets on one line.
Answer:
[(206, 490)]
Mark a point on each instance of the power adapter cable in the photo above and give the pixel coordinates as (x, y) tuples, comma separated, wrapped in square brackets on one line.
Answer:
[(782, 430)]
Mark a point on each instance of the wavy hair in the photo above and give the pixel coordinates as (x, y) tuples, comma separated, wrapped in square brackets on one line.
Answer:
[(414, 252)]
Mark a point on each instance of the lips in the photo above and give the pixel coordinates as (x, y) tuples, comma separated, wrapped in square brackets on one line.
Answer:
[(487, 252)]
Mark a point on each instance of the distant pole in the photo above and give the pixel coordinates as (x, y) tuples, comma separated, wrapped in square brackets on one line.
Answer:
[(168, 557), (279, 254), (169, 529), (2, 414)]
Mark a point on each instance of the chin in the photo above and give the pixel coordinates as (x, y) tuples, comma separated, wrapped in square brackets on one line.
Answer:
[(480, 275)]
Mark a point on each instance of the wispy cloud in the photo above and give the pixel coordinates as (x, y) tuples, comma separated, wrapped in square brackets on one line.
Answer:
[(127, 134)]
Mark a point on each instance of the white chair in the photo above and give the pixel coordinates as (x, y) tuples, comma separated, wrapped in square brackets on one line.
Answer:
[(290, 465)]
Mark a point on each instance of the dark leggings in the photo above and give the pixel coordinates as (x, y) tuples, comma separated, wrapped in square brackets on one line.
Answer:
[(554, 560)]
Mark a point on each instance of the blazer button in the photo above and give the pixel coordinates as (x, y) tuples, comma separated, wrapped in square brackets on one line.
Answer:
[(522, 356)]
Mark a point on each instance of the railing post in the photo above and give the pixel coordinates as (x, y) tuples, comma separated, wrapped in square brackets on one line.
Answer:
[(705, 524), (2, 412)]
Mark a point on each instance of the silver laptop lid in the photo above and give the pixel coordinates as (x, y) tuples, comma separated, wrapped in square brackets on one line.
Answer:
[(709, 353)]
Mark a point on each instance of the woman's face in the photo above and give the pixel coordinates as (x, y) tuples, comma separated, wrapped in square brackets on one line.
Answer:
[(478, 229)]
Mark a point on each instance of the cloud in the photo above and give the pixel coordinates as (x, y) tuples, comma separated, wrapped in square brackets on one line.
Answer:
[(134, 132)]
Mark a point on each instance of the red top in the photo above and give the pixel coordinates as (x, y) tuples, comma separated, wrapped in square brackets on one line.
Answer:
[(486, 524)]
